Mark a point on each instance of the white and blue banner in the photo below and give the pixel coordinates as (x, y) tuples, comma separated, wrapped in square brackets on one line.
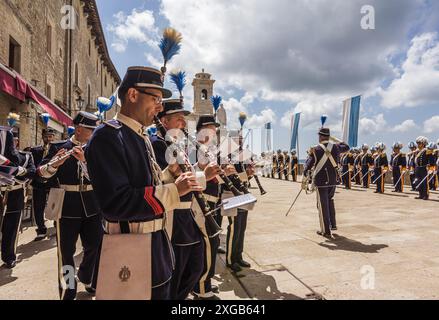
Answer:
[(295, 120), (351, 119), (268, 137)]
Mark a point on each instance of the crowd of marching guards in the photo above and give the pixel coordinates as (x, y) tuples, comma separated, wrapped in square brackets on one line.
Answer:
[(363, 166)]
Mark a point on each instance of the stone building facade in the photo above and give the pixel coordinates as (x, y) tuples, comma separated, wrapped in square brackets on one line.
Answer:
[(58, 48)]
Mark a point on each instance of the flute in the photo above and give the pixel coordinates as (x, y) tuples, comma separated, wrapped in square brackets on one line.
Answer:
[(66, 155), (222, 174)]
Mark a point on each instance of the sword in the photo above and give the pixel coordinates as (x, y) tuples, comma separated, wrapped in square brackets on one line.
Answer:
[(400, 178), (295, 200), (379, 177), (417, 187), (353, 178), (432, 176), (344, 174)]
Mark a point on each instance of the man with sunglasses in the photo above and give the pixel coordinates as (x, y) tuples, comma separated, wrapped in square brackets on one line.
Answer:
[(127, 179)]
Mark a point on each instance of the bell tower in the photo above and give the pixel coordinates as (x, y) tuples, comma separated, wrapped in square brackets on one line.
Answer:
[(203, 90)]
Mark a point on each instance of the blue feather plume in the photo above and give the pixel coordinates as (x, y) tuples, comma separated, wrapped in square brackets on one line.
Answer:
[(170, 44), (71, 131), (45, 117), (105, 104), (216, 102), (323, 119), (179, 79), (242, 118)]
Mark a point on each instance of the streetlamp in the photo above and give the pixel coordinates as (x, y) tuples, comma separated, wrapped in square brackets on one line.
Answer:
[(80, 103)]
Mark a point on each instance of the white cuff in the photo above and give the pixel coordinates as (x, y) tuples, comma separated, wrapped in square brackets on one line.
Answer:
[(201, 179)]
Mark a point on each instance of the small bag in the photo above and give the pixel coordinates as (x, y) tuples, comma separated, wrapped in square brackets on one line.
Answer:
[(54, 204), (125, 268)]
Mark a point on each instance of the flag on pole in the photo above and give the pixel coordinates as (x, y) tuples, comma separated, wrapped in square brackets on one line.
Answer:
[(268, 130), (351, 119), (295, 120)]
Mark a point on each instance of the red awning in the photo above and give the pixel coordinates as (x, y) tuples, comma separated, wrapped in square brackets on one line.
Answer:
[(13, 84)]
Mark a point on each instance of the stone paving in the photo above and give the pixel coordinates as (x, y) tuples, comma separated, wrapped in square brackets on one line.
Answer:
[(386, 248)]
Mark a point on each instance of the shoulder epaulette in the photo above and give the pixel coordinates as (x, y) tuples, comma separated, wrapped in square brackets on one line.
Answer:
[(113, 123), (383, 155), (429, 152)]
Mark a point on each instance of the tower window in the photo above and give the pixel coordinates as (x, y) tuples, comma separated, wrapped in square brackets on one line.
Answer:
[(76, 75), (88, 95), (204, 94), (14, 55)]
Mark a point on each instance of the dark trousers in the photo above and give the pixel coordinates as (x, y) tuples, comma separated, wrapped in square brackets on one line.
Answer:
[(294, 174), (162, 293), (39, 199), (357, 175), (90, 230), (424, 191), (204, 285), (412, 180), (235, 237), (433, 181), (380, 181), (280, 174), (365, 174), (399, 187), (10, 227), (273, 172), (286, 175), (188, 269), (347, 179), (325, 204)]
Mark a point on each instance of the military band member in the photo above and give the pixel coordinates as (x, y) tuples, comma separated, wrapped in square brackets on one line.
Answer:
[(41, 186), (381, 166), (188, 240), (347, 162), (357, 166), (238, 224), (424, 165), (411, 163), (13, 197), (280, 163), (287, 165), (81, 215), (206, 134), (274, 167), (366, 162), (398, 165), (432, 178), (294, 165), (323, 159), (374, 153), (127, 179)]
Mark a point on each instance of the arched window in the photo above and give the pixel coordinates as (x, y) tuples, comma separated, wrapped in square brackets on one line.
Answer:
[(76, 75), (204, 94)]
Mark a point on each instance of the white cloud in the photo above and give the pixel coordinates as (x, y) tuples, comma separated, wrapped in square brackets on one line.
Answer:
[(432, 125), (288, 46), (406, 126), (418, 85), (139, 26), (371, 126)]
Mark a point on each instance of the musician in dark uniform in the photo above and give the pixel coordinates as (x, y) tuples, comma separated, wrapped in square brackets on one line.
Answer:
[(294, 165), (81, 215), (40, 186), (432, 178), (411, 163), (398, 164), (347, 163), (424, 165), (13, 196), (323, 158), (357, 166), (238, 224), (381, 166), (188, 238), (287, 165), (366, 163), (127, 179), (207, 136)]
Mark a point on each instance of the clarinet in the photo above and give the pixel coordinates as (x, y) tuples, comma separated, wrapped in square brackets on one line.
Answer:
[(222, 174), (211, 226)]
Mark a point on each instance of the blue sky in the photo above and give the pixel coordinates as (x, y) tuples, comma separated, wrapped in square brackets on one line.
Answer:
[(271, 59)]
